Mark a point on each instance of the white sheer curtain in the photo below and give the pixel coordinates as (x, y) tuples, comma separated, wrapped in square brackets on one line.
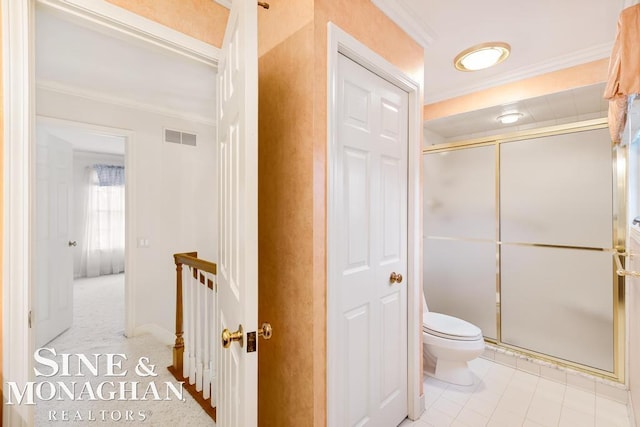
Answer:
[(103, 245)]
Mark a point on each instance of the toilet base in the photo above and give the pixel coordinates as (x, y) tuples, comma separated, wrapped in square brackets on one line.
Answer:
[(451, 371)]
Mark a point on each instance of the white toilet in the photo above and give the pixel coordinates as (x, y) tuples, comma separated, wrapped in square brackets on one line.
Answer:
[(449, 343)]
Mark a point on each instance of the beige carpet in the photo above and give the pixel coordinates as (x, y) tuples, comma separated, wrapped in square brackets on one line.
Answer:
[(98, 329)]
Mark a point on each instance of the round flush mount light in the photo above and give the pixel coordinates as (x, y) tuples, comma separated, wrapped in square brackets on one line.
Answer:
[(508, 118), (482, 56)]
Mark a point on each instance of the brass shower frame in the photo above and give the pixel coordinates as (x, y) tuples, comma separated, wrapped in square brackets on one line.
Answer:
[(619, 171)]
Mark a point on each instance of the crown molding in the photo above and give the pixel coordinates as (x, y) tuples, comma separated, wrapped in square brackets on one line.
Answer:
[(125, 22), (578, 57), (406, 20), (122, 102)]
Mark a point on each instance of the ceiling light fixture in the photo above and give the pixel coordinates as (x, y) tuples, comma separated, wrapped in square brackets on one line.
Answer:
[(508, 118), (482, 56)]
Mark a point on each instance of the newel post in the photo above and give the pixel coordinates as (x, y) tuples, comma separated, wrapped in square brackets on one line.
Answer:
[(178, 348)]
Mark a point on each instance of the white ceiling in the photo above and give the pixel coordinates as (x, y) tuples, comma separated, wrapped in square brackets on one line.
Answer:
[(84, 139), (92, 61), (574, 105), (545, 35)]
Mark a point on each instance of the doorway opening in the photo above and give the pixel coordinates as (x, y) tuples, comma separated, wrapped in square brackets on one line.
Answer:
[(80, 230), (103, 65), (344, 48)]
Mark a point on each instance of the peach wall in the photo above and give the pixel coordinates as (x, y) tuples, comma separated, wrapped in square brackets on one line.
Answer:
[(292, 192), (369, 25), (281, 21), (201, 19), (544, 84), (285, 200)]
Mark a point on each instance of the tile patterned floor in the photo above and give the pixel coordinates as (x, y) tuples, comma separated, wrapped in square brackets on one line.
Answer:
[(505, 397)]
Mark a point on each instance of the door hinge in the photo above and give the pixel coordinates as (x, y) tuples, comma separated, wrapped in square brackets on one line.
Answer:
[(29, 319)]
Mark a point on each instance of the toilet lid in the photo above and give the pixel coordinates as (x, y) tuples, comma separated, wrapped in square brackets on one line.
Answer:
[(450, 327)]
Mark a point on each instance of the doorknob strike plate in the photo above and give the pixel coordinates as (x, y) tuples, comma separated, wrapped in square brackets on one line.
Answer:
[(251, 342)]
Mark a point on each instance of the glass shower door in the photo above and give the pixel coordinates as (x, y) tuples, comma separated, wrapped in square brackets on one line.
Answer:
[(460, 235), (518, 239), (556, 222)]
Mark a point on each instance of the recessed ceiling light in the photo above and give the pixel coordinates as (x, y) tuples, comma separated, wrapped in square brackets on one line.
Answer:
[(508, 118), (482, 56)]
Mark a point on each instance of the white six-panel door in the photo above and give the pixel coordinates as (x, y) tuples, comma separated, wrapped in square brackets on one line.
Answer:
[(238, 208), (53, 290), (370, 172)]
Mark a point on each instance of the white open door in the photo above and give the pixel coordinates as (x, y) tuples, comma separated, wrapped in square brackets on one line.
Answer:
[(53, 291), (238, 204)]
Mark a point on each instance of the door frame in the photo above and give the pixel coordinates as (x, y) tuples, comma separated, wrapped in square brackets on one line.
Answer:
[(18, 79), (340, 42), (130, 206)]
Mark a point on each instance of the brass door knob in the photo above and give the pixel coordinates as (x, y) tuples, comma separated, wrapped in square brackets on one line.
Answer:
[(228, 337), (395, 278), (265, 331)]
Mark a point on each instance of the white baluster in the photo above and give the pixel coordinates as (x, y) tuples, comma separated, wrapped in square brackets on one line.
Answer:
[(206, 374), (201, 326), (199, 332), (186, 324), (193, 283)]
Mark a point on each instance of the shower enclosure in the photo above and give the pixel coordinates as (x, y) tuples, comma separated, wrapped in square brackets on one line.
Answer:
[(519, 234)]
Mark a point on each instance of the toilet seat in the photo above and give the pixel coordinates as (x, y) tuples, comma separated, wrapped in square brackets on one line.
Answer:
[(449, 327)]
